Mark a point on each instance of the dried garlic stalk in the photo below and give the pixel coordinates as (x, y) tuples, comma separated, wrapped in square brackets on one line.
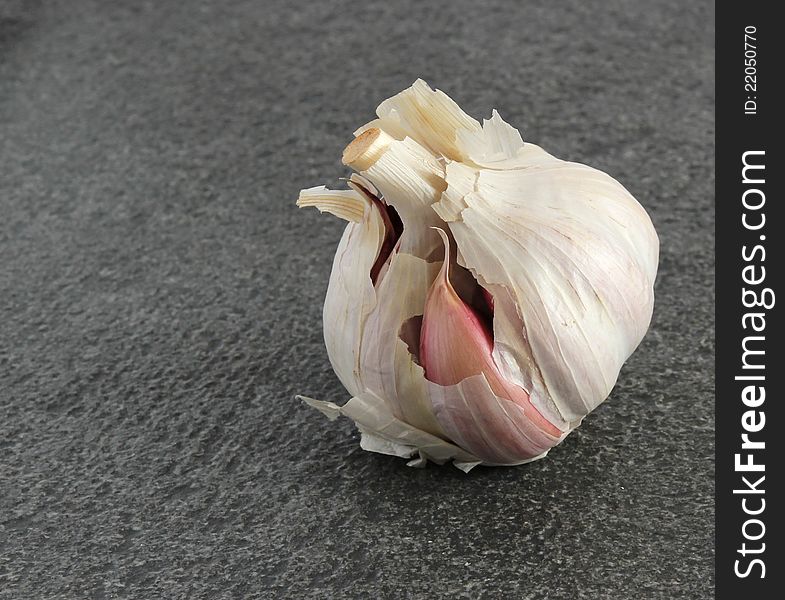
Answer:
[(484, 294)]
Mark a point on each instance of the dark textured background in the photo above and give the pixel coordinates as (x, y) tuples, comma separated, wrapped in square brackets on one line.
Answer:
[(160, 303)]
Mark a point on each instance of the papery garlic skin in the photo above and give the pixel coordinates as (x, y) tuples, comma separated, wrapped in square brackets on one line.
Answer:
[(567, 254), (577, 259)]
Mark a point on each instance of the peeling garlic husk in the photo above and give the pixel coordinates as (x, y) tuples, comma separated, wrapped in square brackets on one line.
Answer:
[(565, 255)]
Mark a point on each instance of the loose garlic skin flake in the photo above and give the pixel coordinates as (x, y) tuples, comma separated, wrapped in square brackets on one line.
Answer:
[(484, 294)]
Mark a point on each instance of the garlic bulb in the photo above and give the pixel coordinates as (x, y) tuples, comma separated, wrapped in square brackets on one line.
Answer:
[(484, 294)]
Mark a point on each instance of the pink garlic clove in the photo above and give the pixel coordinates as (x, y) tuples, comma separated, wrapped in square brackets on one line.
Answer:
[(455, 344)]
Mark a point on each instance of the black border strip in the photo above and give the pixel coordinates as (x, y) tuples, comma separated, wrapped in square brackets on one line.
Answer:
[(749, 104)]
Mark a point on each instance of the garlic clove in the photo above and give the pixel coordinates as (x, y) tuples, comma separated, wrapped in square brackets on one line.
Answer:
[(493, 428), (455, 344), (388, 368), (563, 241), (350, 294)]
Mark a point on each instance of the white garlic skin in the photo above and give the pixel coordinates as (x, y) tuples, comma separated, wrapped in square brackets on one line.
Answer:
[(568, 254)]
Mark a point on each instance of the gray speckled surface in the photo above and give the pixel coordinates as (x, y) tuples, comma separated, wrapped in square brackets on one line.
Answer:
[(160, 303)]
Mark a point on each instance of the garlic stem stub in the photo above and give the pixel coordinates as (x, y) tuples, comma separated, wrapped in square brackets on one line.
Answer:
[(484, 294)]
